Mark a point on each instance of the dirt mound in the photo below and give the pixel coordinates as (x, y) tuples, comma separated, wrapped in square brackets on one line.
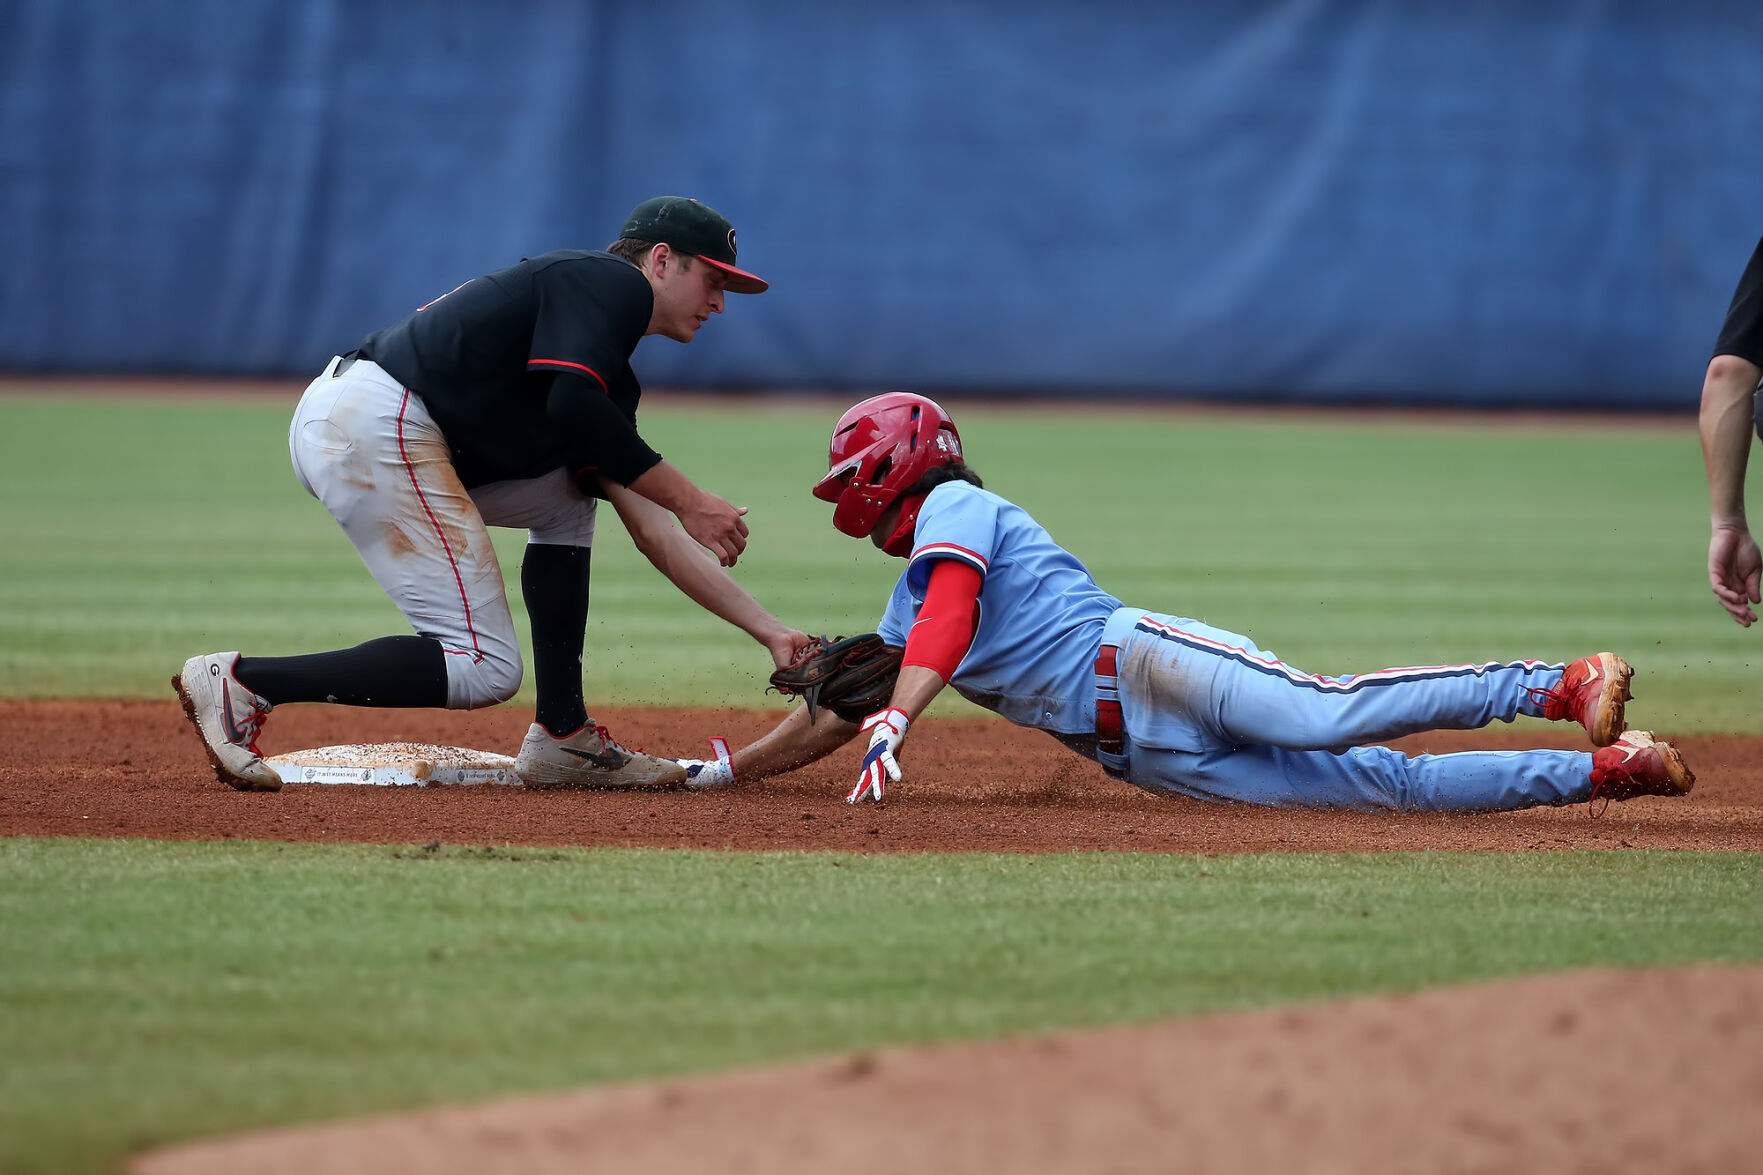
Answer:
[(1654, 1071)]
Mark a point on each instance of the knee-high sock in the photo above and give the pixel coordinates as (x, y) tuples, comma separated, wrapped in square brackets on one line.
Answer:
[(554, 582), (392, 671)]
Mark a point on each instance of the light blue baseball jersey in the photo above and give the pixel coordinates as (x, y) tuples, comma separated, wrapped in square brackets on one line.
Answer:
[(1040, 611), (1207, 713)]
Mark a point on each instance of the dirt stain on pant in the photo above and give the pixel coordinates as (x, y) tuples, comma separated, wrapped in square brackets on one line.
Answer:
[(1166, 694), (393, 540)]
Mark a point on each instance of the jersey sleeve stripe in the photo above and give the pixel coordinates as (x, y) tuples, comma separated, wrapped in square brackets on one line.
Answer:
[(572, 367), (951, 551)]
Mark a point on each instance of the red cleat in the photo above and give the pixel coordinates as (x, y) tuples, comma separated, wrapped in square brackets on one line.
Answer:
[(1638, 764), (1592, 693)]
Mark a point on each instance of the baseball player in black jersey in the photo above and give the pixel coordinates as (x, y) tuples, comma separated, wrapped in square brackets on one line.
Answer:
[(1732, 408), (509, 401)]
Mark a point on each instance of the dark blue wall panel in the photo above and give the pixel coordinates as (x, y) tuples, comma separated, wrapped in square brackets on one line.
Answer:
[(1500, 201)]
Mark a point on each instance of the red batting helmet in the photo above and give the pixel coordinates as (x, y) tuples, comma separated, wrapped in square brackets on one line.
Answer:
[(880, 448)]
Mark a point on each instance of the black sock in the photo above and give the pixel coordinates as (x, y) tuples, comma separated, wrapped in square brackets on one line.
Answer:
[(393, 671), (554, 582)]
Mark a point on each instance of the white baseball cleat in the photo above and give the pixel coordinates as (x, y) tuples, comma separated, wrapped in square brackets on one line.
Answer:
[(228, 718), (590, 758)]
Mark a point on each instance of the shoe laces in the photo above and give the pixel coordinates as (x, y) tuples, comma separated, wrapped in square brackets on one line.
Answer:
[(253, 724), (1599, 801), (606, 739), (1546, 696)]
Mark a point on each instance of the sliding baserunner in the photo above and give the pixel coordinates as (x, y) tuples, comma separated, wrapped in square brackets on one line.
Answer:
[(991, 605)]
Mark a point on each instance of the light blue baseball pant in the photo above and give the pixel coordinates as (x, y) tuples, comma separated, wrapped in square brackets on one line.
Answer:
[(1210, 715)]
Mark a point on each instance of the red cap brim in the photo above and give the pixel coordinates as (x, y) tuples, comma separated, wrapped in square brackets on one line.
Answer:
[(739, 280)]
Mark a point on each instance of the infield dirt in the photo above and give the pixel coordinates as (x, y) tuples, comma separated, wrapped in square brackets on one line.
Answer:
[(134, 768)]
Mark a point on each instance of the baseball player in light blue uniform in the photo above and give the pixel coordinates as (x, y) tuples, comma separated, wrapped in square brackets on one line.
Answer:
[(992, 606)]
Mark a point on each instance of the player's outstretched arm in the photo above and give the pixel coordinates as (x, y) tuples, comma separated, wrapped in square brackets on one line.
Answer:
[(677, 556), (801, 738), (795, 742), (710, 520), (1726, 422)]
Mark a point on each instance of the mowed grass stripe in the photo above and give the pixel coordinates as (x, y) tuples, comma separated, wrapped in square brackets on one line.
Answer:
[(159, 991), (138, 532)]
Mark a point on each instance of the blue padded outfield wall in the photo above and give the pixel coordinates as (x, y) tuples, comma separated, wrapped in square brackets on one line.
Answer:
[(1499, 201)]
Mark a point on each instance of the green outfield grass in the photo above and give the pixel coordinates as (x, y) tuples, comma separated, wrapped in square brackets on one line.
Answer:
[(151, 992), (139, 531)]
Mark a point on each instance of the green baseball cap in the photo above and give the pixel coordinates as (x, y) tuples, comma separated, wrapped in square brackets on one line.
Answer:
[(693, 228)]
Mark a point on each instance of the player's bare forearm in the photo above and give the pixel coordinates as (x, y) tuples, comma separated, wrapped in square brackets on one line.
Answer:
[(667, 487), (1726, 422), (708, 519), (1735, 566), (795, 742), (690, 568)]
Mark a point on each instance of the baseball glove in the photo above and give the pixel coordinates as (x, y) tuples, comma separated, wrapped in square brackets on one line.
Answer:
[(852, 676)]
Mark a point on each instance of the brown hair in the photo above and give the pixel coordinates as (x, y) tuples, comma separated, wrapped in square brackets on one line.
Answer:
[(634, 249), (936, 475)]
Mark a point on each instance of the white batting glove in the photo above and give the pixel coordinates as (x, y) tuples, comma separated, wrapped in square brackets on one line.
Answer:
[(887, 730), (703, 774)]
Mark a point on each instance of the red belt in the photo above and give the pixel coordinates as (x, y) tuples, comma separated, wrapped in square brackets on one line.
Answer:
[(1110, 726)]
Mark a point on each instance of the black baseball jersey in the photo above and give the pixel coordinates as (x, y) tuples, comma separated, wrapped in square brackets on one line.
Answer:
[(527, 369), (1742, 332)]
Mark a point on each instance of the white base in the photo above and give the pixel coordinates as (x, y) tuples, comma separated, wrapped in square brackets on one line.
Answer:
[(395, 765)]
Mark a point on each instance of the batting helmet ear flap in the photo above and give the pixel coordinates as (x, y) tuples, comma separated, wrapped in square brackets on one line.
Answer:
[(899, 543)]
